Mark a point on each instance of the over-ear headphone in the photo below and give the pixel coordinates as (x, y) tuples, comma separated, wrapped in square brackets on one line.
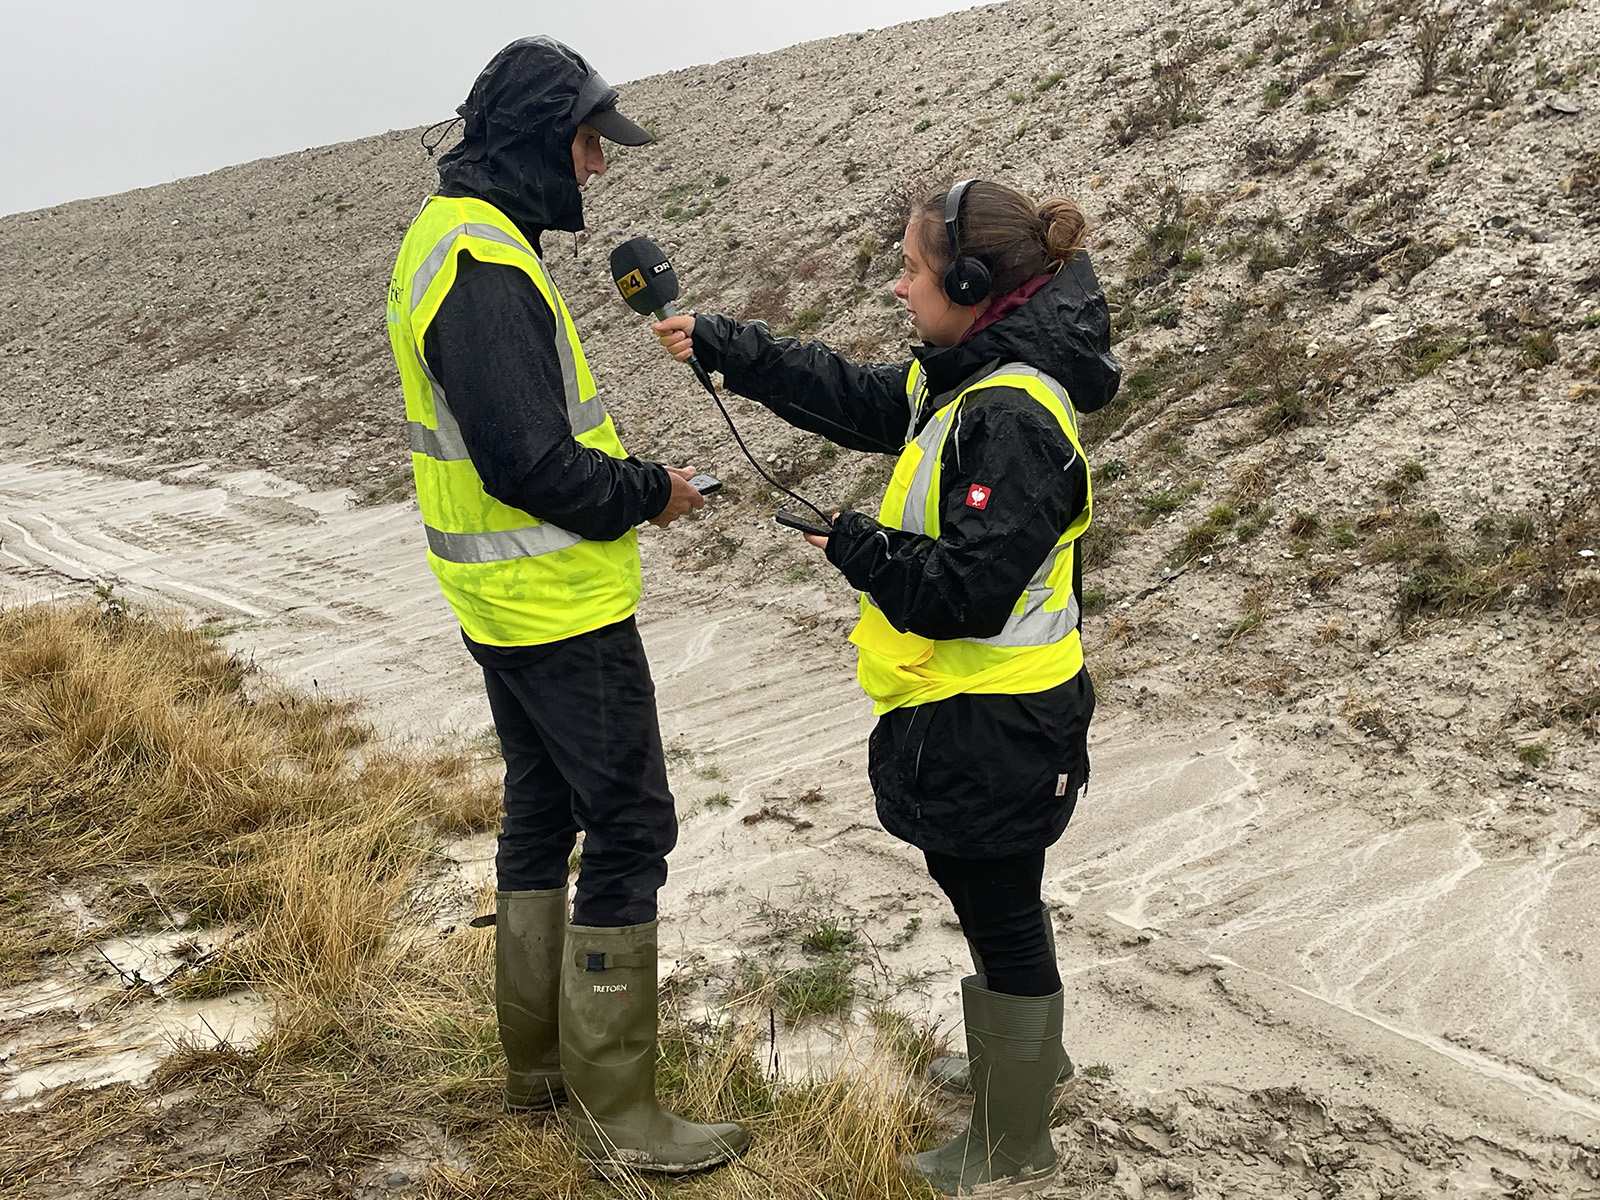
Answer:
[(966, 280)]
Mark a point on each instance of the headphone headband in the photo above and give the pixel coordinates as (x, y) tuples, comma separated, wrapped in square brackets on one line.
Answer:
[(966, 280), (952, 216)]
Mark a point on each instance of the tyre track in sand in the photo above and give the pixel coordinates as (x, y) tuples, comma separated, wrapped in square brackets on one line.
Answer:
[(1225, 930)]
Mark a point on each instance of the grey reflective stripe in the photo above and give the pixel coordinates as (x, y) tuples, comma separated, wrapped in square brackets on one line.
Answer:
[(916, 391), (528, 542), (582, 415), (933, 434), (434, 263), (913, 517), (1033, 626), (444, 443), (1059, 392)]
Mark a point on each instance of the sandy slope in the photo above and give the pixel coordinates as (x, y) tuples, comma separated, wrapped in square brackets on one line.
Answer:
[(1256, 961), (1327, 910)]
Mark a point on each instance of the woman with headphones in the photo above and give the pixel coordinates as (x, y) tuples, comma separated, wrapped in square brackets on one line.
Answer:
[(970, 601)]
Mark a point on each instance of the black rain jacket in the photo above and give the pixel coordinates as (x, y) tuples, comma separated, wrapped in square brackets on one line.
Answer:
[(492, 344), (977, 775)]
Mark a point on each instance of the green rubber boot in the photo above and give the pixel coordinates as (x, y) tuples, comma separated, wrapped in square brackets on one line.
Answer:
[(608, 1059), (950, 1074), (1014, 1052), (528, 932)]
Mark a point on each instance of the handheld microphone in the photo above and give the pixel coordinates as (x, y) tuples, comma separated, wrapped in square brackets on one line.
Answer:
[(649, 285), (647, 282)]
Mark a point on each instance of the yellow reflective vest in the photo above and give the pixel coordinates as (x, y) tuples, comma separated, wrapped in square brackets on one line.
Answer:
[(512, 579), (1039, 646)]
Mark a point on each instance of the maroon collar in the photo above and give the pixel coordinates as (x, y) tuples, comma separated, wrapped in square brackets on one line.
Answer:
[(1008, 304)]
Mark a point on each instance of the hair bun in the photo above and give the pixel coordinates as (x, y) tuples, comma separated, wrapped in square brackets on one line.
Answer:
[(1064, 228)]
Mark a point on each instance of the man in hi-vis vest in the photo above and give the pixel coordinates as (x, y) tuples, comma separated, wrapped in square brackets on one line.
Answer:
[(529, 503)]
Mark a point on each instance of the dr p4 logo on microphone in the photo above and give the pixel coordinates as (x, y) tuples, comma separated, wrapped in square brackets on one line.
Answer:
[(978, 496)]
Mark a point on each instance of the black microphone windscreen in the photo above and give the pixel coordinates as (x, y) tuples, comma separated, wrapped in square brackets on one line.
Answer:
[(643, 275)]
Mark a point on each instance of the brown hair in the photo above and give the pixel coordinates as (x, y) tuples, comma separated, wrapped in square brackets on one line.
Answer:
[(1005, 230)]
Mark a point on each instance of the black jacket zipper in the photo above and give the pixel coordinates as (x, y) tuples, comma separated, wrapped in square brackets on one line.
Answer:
[(916, 766)]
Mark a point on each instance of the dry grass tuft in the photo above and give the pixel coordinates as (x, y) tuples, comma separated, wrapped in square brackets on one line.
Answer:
[(130, 744), (1250, 484)]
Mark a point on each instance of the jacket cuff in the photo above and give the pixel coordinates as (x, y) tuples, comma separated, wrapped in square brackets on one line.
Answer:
[(657, 489), (712, 335), (853, 548)]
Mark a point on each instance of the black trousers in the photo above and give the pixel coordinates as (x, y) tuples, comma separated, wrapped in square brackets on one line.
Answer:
[(582, 747), (997, 902)]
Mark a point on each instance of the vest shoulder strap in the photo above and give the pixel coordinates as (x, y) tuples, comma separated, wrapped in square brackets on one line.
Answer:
[(450, 224), (1012, 373)]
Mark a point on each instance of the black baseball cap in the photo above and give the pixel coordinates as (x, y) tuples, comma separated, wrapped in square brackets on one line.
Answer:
[(596, 107)]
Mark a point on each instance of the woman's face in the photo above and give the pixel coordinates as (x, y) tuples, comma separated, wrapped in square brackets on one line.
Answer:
[(921, 289)]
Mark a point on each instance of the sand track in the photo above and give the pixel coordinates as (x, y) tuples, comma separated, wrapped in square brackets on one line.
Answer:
[(1232, 928)]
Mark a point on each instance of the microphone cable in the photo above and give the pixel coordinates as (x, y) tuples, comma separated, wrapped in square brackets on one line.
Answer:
[(648, 284), (705, 381)]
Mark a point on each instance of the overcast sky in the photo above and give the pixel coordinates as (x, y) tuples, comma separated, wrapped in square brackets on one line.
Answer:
[(99, 96)]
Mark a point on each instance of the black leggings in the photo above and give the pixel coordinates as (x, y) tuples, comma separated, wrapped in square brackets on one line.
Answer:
[(997, 902)]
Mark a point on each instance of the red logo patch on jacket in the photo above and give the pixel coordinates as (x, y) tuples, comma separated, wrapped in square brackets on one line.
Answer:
[(978, 496)]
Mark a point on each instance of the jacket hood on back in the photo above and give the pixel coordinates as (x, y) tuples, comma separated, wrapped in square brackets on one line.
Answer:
[(516, 147), (1064, 330)]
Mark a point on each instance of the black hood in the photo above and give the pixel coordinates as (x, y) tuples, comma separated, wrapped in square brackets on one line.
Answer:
[(1064, 330), (516, 145)]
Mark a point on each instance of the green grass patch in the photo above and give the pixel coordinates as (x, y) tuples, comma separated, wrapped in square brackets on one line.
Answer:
[(1145, 382), (1430, 347), (804, 321), (1303, 524), (828, 935), (1446, 583), (1162, 503), (1538, 349), (1252, 522), (816, 989), (1166, 374), (913, 1041), (1204, 537), (1099, 544), (1267, 255)]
